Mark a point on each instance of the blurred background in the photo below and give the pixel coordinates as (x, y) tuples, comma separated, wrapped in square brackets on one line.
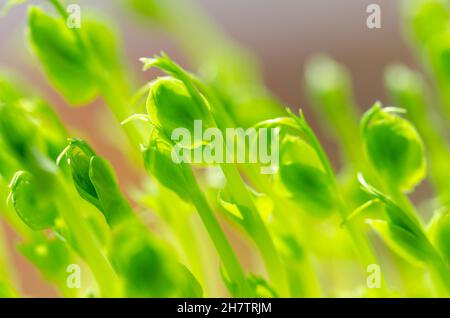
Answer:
[(281, 34)]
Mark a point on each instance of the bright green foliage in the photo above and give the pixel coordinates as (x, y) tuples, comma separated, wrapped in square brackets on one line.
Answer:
[(170, 106), (394, 148), (147, 268), (404, 234), (399, 230), (439, 233), (329, 86), (427, 18), (304, 223), (310, 186), (88, 54), (429, 22), (158, 162), (301, 173), (59, 52), (239, 86), (51, 256), (95, 181), (408, 89), (31, 131), (26, 196)]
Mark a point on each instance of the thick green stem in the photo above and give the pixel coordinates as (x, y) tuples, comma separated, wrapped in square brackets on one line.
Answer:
[(91, 251), (241, 195), (179, 224), (259, 232), (295, 227), (363, 248), (440, 271), (218, 237)]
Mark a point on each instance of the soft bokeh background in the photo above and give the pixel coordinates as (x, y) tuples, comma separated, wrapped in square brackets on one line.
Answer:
[(281, 34)]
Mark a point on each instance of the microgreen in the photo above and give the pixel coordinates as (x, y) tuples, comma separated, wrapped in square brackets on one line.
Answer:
[(307, 226)]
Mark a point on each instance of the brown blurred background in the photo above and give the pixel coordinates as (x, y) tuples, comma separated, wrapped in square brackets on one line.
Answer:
[(282, 34)]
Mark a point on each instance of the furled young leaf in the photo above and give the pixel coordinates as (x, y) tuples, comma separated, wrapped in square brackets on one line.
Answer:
[(171, 106), (303, 176), (63, 57), (159, 163), (116, 208), (78, 155), (239, 86), (95, 181), (403, 242), (145, 266), (26, 197), (309, 186), (401, 231), (394, 148), (394, 213), (301, 173)]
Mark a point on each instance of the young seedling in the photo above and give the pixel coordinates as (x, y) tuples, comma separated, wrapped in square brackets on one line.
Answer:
[(406, 236), (407, 88), (74, 212), (395, 150), (143, 263), (240, 194)]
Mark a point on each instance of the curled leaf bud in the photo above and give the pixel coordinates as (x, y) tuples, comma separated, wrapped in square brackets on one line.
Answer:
[(62, 57), (78, 155), (95, 181), (302, 175), (146, 266), (159, 163), (26, 197), (394, 148), (413, 248), (76, 61), (171, 107)]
